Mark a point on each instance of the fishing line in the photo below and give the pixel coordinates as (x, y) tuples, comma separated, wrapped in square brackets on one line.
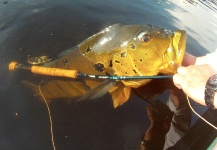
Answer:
[(49, 114), (200, 115)]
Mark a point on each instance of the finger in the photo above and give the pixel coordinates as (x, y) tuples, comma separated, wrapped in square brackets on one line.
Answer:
[(182, 70), (188, 59), (177, 80)]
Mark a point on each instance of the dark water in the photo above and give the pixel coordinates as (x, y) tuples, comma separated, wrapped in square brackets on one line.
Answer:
[(47, 28)]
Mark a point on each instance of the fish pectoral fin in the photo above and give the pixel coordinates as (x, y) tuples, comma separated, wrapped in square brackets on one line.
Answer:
[(99, 90), (120, 94)]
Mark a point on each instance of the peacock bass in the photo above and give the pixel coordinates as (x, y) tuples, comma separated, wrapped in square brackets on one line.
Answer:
[(120, 50)]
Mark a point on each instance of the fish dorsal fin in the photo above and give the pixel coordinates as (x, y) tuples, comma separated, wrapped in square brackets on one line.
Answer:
[(99, 90), (120, 94)]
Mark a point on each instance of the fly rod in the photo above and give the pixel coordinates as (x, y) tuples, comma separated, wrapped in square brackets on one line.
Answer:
[(75, 73)]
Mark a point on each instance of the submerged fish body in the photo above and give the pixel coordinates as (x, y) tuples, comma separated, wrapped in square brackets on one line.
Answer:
[(122, 50)]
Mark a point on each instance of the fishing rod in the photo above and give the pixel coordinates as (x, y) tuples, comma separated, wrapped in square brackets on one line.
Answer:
[(75, 73)]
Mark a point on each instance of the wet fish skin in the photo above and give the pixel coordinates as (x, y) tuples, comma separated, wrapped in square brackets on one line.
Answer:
[(122, 50)]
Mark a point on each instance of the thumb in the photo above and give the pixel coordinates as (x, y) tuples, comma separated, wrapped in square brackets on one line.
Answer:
[(177, 80)]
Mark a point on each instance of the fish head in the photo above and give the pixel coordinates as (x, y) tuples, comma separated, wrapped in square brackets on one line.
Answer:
[(150, 51), (135, 50)]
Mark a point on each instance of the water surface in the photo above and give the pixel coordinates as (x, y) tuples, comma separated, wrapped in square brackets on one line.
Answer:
[(47, 28)]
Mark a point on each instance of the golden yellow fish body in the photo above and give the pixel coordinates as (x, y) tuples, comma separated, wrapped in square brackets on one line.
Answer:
[(122, 50), (136, 50)]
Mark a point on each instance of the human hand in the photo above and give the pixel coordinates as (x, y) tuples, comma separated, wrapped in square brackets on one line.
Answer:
[(192, 80), (188, 59)]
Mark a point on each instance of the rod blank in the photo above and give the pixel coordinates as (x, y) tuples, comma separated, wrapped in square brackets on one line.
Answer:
[(75, 74)]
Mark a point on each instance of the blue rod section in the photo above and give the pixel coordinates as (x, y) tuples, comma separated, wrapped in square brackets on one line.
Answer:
[(123, 77)]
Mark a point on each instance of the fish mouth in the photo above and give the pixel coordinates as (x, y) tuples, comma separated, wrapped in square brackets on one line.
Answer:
[(179, 44), (175, 52)]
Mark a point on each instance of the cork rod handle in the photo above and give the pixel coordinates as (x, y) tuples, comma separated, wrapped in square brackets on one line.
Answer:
[(54, 72), (46, 71)]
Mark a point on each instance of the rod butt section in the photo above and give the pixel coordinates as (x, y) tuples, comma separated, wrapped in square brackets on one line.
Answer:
[(12, 66)]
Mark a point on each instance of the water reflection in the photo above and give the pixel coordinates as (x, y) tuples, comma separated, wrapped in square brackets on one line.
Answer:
[(193, 2), (199, 22), (211, 4)]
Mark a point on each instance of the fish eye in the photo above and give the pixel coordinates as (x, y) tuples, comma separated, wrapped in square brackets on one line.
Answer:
[(144, 37)]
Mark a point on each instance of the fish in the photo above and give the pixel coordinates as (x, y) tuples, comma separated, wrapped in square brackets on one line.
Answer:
[(118, 50)]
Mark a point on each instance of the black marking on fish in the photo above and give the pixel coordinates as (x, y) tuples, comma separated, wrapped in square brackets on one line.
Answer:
[(99, 67), (151, 26), (88, 48), (132, 46), (134, 71), (117, 61), (123, 54), (66, 63), (57, 85), (140, 60), (110, 64)]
